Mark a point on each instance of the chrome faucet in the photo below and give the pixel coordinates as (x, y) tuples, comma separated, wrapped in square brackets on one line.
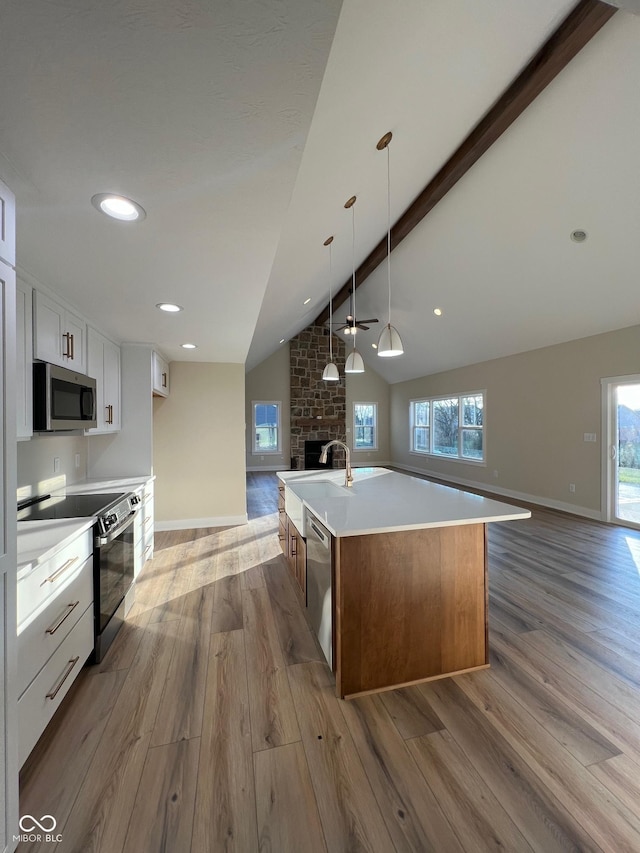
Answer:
[(348, 481)]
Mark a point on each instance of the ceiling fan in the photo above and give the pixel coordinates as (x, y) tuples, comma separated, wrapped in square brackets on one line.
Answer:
[(352, 323)]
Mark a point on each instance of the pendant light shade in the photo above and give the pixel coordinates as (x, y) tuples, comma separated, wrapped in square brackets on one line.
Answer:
[(389, 342), (354, 363), (330, 373)]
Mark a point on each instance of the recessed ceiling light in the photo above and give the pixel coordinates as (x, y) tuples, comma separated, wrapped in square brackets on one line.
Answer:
[(307, 301), (189, 346), (118, 207), (437, 312), (169, 306), (282, 341), (375, 346), (578, 236)]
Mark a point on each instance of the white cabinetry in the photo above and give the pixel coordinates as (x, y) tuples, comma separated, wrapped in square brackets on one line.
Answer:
[(55, 635), (160, 376), (59, 334), (7, 225), (103, 364), (24, 360), (8, 559), (143, 529)]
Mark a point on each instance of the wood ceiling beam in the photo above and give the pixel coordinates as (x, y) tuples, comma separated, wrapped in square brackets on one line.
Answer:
[(577, 29)]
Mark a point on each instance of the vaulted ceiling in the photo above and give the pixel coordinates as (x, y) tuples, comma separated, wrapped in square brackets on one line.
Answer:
[(243, 128)]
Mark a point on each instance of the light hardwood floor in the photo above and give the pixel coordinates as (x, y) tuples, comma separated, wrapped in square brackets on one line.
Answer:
[(212, 724)]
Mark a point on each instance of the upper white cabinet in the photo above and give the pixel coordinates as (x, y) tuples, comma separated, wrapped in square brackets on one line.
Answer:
[(24, 360), (7, 225), (59, 334), (160, 376), (103, 364)]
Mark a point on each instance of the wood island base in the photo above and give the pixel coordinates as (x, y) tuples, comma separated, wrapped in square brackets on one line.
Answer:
[(409, 606)]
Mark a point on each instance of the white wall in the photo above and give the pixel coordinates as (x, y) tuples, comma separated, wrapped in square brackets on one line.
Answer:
[(36, 471), (198, 447)]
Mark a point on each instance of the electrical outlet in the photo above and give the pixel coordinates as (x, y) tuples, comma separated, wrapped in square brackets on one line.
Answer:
[(262, 458), (56, 464), (77, 460), (589, 436), (495, 473), (572, 487)]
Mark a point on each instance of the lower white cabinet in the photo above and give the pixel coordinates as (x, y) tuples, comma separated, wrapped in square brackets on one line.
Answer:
[(41, 699), (144, 529), (55, 635), (41, 636)]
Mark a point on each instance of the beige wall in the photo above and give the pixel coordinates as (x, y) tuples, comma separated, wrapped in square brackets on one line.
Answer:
[(198, 456), (538, 406), (369, 387), (269, 381)]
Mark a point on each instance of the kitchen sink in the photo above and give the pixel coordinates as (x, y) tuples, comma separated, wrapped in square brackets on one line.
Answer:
[(309, 489)]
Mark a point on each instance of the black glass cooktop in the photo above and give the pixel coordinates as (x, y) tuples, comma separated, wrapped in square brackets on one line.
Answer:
[(70, 506)]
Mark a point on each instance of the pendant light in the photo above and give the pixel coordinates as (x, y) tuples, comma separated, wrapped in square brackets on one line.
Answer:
[(330, 373), (354, 363), (389, 342)]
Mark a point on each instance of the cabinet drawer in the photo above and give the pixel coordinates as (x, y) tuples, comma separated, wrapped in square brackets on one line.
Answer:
[(42, 636), (53, 576), (41, 699)]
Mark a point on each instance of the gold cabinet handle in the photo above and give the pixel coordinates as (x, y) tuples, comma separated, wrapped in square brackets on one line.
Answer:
[(56, 625), (109, 409), (164, 380), (63, 568), (54, 691), (73, 348), (67, 349)]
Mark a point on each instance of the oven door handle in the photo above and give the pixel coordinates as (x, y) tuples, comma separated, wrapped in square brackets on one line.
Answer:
[(100, 541)]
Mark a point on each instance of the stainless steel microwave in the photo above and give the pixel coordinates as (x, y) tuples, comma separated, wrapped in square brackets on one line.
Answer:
[(62, 399)]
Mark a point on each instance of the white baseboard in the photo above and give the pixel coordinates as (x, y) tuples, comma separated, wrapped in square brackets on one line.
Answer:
[(562, 506), (193, 523)]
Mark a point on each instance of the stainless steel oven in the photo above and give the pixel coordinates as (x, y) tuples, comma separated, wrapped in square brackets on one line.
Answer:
[(113, 552), (112, 571)]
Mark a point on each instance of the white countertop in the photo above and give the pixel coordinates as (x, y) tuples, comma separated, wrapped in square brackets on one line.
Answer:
[(383, 501), (40, 540)]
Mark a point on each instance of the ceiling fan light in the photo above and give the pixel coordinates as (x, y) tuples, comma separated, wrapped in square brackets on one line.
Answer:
[(354, 363), (389, 342), (330, 373)]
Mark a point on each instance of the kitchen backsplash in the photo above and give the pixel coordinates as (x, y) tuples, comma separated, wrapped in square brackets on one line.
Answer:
[(38, 470)]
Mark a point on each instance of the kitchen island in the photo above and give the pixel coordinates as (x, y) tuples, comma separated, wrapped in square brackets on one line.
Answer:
[(409, 591)]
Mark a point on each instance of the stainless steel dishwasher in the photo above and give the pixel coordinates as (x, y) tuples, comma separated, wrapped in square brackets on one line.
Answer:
[(319, 571)]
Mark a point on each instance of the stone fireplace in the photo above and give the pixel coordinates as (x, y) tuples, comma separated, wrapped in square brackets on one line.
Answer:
[(318, 408)]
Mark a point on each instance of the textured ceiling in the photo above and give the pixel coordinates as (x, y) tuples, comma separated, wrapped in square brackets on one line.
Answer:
[(243, 127), (199, 111)]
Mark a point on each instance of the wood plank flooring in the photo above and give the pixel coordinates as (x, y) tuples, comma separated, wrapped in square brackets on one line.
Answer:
[(212, 724)]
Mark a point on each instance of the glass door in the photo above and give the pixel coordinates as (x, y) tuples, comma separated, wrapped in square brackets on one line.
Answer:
[(621, 465)]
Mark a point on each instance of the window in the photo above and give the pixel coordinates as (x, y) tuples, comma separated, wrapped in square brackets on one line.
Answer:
[(266, 427), (365, 416), (452, 427)]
